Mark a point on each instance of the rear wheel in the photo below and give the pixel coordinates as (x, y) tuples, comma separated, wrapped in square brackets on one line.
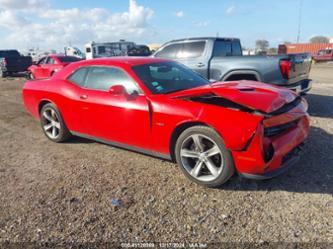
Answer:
[(53, 124), (202, 156), (2, 74)]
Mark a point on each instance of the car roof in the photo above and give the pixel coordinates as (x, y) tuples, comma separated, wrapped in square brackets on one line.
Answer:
[(122, 61), (58, 55), (204, 38)]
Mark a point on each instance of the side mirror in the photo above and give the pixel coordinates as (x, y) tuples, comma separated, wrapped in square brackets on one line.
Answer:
[(117, 90)]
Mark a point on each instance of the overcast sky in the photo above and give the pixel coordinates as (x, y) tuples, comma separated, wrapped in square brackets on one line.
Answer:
[(55, 23)]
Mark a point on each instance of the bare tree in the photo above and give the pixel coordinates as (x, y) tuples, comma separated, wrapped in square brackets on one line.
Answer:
[(319, 39), (272, 51), (262, 45)]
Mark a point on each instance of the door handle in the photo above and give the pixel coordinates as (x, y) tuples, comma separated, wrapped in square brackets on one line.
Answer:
[(200, 64), (84, 96)]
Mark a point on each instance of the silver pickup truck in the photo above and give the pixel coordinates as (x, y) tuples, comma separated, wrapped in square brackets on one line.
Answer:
[(221, 59)]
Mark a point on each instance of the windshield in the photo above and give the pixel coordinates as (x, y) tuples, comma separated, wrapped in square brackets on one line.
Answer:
[(167, 77), (68, 58)]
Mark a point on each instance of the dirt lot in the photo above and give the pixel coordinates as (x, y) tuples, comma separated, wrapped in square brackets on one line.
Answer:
[(67, 192)]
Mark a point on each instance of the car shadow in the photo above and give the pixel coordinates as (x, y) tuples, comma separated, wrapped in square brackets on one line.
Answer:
[(312, 174), (15, 76), (80, 140), (320, 105)]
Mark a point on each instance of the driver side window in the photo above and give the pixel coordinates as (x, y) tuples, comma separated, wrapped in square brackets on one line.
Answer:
[(102, 78), (50, 60), (42, 61)]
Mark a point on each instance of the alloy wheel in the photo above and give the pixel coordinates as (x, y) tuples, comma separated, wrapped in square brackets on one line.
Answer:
[(51, 123), (201, 157)]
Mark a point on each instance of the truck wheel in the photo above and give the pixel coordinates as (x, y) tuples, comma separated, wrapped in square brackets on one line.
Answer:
[(202, 156), (2, 74)]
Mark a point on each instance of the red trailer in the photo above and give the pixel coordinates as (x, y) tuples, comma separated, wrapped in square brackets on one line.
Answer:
[(296, 48)]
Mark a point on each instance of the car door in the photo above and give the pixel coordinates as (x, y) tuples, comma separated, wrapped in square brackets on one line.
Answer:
[(328, 54), (51, 67), (193, 55), (45, 67), (38, 70), (123, 118)]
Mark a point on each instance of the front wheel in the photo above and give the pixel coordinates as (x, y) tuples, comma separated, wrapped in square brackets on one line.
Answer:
[(202, 156), (53, 124), (30, 76)]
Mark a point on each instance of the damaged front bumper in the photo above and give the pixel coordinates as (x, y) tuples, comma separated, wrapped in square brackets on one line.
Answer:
[(268, 156), (289, 161)]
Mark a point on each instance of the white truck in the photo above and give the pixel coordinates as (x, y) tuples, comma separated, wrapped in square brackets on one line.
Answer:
[(110, 49), (74, 51)]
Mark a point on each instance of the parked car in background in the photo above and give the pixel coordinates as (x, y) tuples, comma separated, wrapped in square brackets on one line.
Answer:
[(162, 108), (11, 61), (50, 65), (324, 55), (37, 54), (221, 59)]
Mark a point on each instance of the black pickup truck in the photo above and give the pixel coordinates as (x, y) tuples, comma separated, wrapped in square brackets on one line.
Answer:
[(221, 59), (12, 62)]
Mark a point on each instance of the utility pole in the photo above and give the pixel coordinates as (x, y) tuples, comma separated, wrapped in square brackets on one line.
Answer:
[(299, 20)]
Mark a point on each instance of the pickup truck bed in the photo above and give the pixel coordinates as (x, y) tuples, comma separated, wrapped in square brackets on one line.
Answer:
[(221, 59)]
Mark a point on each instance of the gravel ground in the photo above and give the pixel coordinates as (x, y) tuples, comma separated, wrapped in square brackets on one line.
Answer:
[(70, 192)]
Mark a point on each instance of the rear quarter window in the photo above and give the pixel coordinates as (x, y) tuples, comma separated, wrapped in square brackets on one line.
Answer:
[(79, 76), (236, 48), (68, 58), (227, 48)]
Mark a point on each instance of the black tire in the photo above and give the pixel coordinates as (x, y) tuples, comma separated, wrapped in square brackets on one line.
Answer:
[(62, 133), (2, 74), (30, 76), (224, 159)]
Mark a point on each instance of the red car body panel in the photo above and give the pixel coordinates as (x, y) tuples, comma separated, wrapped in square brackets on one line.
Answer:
[(324, 55), (149, 121), (44, 71)]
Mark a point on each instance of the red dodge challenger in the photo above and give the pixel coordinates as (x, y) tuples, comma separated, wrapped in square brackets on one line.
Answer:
[(49, 65), (162, 108)]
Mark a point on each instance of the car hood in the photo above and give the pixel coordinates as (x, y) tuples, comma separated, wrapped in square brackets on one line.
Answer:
[(251, 94)]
